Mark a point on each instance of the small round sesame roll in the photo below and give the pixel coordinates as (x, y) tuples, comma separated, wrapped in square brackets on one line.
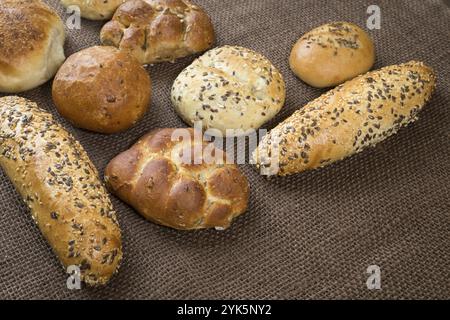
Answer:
[(331, 54), (230, 88)]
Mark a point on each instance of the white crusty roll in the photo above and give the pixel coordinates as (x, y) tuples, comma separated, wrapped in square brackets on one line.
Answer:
[(60, 185), (347, 119), (94, 9), (230, 88), (31, 44)]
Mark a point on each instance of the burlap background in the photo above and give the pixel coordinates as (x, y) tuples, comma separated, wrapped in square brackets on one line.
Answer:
[(311, 235)]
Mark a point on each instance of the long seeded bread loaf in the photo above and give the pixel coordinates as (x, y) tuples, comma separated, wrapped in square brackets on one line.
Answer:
[(60, 185), (357, 114)]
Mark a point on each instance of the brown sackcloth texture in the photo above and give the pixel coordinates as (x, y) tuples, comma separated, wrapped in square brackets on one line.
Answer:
[(311, 235)]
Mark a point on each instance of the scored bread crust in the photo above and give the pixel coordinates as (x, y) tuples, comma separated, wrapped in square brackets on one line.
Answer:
[(159, 30), (230, 88), (94, 9), (31, 44), (60, 185), (357, 114), (192, 194)]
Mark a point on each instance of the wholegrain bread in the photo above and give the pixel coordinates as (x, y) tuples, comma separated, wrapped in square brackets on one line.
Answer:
[(174, 178), (331, 54), (159, 30), (231, 89), (31, 44), (355, 115), (61, 187)]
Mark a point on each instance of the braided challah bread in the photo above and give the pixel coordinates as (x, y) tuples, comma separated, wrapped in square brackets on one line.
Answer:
[(168, 177), (159, 30)]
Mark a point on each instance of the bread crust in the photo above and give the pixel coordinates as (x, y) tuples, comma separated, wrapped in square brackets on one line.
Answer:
[(94, 9), (32, 38), (230, 88), (185, 195), (355, 115), (159, 30), (332, 54), (60, 185), (102, 89)]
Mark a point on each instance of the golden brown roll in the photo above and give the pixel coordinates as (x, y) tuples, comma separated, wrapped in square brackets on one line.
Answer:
[(346, 120), (183, 193), (102, 89), (31, 44), (159, 30), (60, 185), (331, 54)]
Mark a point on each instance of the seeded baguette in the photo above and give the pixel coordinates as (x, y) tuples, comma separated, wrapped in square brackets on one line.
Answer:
[(357, 114), (60, 185)]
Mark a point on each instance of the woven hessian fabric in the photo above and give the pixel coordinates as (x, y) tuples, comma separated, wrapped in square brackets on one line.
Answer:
[(310, 235)]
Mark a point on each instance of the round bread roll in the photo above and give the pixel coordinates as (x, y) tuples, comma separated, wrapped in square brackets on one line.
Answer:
[(332, 54), (102, 89), (159, 30), (95, 9), (175, 178), (31, 44), (232, 89)]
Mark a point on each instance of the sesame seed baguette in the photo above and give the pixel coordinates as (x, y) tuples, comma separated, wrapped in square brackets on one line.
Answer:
[(357, 114), (60, 185)]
